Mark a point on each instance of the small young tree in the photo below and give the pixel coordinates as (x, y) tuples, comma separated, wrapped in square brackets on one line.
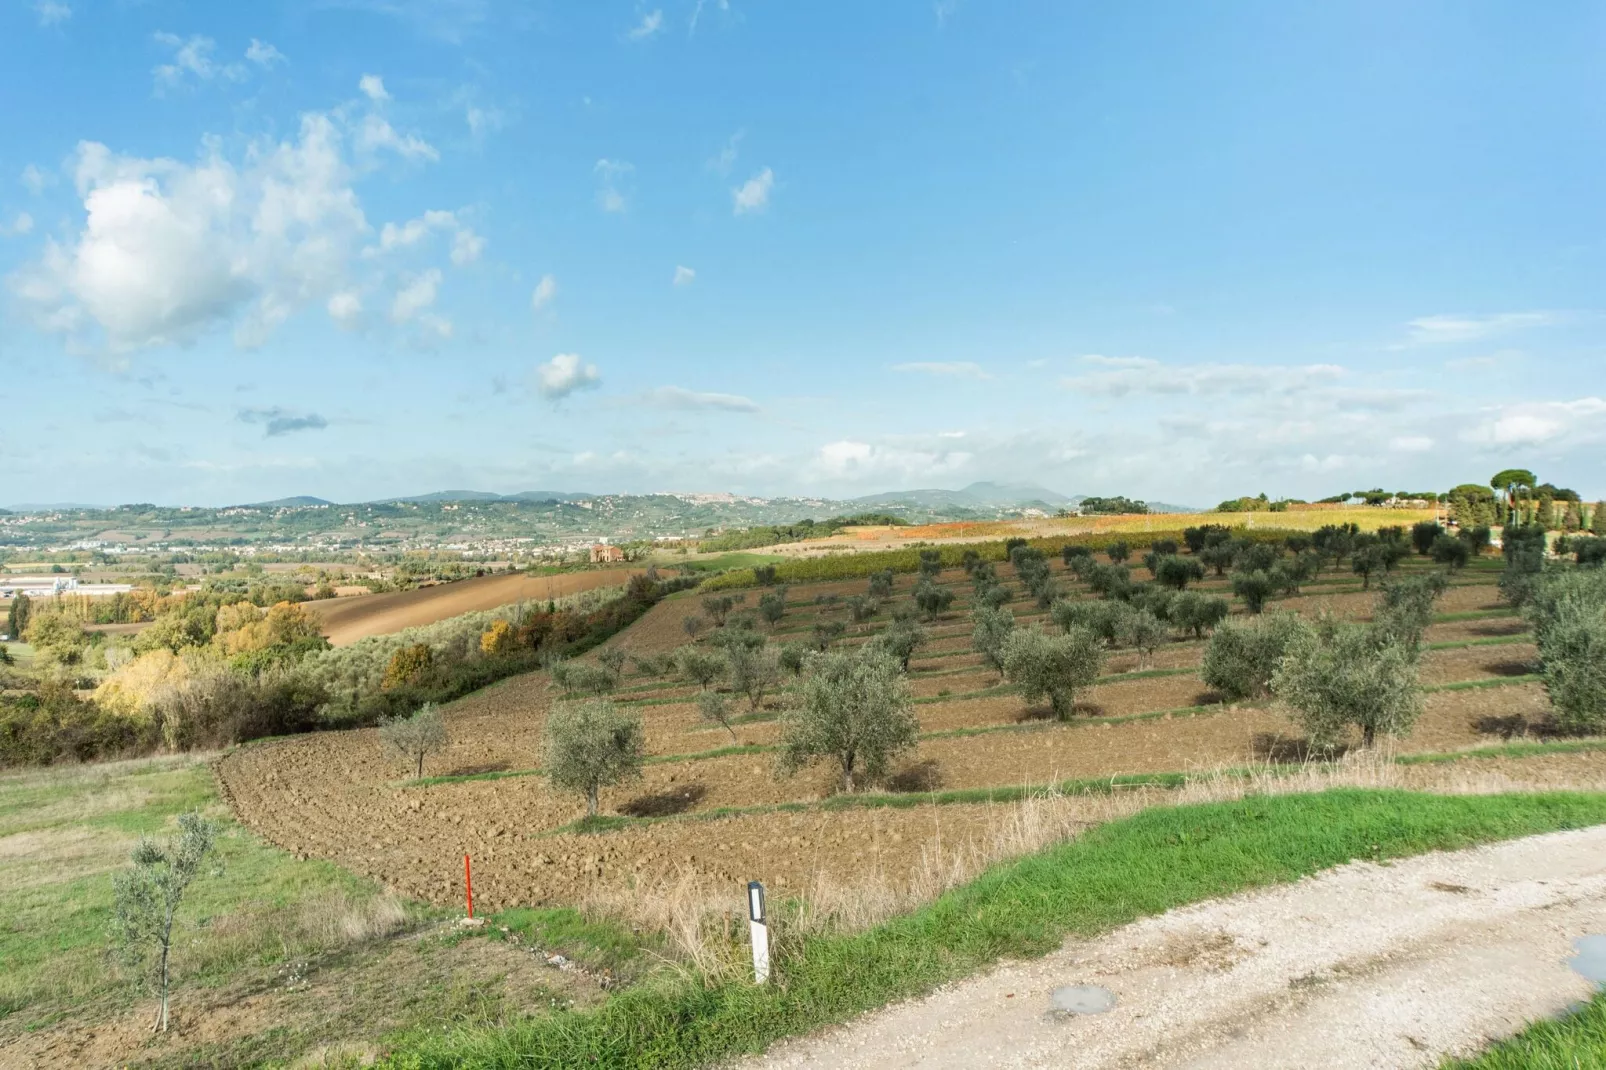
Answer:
[(694, 625), (827, 632), (591, 745), (17, 616), (415, 736), (1254, 588), (764, 575), (995, 596), (1240, 659), (1118, 551), (713, 707), (146, 898), (1055, 667), (1404, 609), (1145, 632), (701, 667), (1193, 611), (753, 672), (584, 677), (1347, 675), (792, 658), (932, 599), (1449, 550), (1176, 572), (990, 631), (613, 659), (901, 640), (772, 607), (855, 711), (1568, 614), (862, 607), (718, 607), (1368, 560), (881, 584)]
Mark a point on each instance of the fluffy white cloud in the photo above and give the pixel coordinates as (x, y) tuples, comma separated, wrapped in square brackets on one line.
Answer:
[(418, 295), (263, 54), (168, 249), (345, 308), (684, 276), (1448, 330), (51, 12), (754, 194), (563, 375), (651, 23), (892, 462), (951, 369), (610, 175), (466, 246), (544, 292), (675, 397), (1538, 423), (376, 133), (192, 56), (373, 87)]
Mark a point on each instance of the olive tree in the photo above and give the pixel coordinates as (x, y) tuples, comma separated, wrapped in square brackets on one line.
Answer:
[(146, 898), (989, 632), (713, 707), (881, 584), (827, 632), (855, 711), (1118, 551), (1193, 611), (1568, 614), (1176, 571), (1449, 550), (694, 625), (1404, 608), (1255, 588), (1343, 675), (772, 607), (931, 598), (1241, 658), (591, 745), (699, 666), (613, 659), (753, 672), (584, 677), (901, 640), (1055, 667), (414, 736), (1424, 533), (1144, 632)]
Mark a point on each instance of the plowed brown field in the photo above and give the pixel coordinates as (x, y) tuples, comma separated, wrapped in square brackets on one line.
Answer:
[(340, 796), (345, 620)]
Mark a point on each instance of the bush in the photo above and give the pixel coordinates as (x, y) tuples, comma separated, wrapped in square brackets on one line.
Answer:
[(932, 599), (995, 596), (1524, 548), (699, 666), (900, 641), (990, 631), (1424, 533), (1193, 611), (1055, 667), (855, 711), (1118, 551), (881, 584), (1241, 658), (827, 632), (1451, 551), (1176, 572), (590, 745), (413, 737), (793, 657), (1344, 675), (55, 725), (1568, 614), (772, 607), (1254, 588), (584, 677)]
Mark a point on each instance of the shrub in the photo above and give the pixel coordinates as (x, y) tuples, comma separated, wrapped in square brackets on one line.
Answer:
[(652, 664), (1145, 632), (764, 575), (713, 707), (753, 672), (932, 599), (827, 632), (990, 631), (1176, 572), (855, 711), (996, 596), (1344, 675), (1424, 533), (1404, 608), (792, 658), (584, 677), (1118, 551), (694, 625), (1589, 552), (1198, 613), (498, 639), (590, 745), (699, 666), (1568, 613), (1451, 551), (1055, 667), (413, 737), (900, 641), (881, 584), (772, 607), (1254, 588), (1240, 658)]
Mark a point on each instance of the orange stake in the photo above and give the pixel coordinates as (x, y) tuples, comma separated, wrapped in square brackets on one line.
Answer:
[(468, 885)]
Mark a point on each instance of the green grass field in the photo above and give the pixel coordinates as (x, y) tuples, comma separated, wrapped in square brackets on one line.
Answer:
[(1576, 1042)]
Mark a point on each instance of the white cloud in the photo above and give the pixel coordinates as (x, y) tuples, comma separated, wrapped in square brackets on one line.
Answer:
[(684, 276), (1538, 423), (373, 87), (345, 308), (1119, 362), (953, 369), (51, 12), (944, 10), (651, 23), (376, 133), (466, 246), (1449, 330), (1410, 444), (35, 180), (726, 157), (482, 121), (609, 173), (22, 224), (1132, 375), (754, 194), (564, 374), (416, 296), (892, 462), (545, 291), (674, 397), (168, 249), (192, 56), (263, 54), (697, 12)]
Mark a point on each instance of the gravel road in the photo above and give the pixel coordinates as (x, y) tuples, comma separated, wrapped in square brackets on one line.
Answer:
[(1367, 965)]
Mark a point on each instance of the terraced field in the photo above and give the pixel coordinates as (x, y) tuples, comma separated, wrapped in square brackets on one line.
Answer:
[(711, 812)]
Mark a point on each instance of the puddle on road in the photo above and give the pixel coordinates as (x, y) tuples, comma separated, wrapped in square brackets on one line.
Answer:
[(1590, 961), (1080, 999)]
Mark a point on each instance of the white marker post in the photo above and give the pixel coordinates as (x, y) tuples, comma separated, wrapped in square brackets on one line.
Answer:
[(761, 932)]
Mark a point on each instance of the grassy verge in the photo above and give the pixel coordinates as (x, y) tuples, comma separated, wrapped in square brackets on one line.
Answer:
[(1121, 871), (1574, 1042)]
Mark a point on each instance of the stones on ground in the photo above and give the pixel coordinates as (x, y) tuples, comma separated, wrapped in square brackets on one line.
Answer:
[(1069, 1001)]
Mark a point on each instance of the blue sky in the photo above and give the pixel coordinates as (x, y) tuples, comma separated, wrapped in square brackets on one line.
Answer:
[(355, 248)]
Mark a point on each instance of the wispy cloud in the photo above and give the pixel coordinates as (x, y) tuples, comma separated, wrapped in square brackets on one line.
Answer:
[(953, 369), (35, 180), (1140, 376), (544, 292), (725, 159), (697, 12), (263, 54), (610, 175), (651, 24), (22, 223), (276, 421), (675, 397), (944, 10), (1449, 330), (684, 276), (564, 374), (51, 12), (754, 194), (192, 58), (373, 87)]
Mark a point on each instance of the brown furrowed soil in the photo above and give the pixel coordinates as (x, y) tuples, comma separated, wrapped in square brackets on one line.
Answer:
[(340, 796), (345, 620)]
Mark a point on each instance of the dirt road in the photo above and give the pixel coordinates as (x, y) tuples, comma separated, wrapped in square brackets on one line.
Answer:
[(1363, 966)]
